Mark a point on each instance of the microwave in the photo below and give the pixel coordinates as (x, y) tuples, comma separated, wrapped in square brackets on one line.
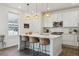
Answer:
[(58, 24)]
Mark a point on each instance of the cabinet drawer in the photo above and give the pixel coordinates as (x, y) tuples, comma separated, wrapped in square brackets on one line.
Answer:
[(69, 43), (70, 38), (76, 43)]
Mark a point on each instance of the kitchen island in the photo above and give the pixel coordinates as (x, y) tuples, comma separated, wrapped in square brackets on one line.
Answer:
[(55, 46)]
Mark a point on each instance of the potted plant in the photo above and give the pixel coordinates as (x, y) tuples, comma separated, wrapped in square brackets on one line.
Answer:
[(75, 30)]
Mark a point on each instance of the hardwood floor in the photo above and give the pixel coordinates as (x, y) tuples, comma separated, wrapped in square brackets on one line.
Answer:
[(70, 52), (14, 52)]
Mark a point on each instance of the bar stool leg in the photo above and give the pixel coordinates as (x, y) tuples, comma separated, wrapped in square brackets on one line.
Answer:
[(33, 50), (28, 44), (28, 47), (39, 50), (42, 51), (45, 49), (25, 44)]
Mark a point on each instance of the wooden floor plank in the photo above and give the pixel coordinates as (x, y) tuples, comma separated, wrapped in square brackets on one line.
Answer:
[(14, 52)]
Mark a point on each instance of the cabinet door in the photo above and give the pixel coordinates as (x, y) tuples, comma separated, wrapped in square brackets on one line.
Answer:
[(78, 18), (67, 40), (76, 40), (70, 40), (57, 17), (70, 19), (68, 37)]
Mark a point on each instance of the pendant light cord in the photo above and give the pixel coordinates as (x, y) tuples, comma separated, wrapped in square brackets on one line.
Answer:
[(28, 7), (36, 8), (47, 7)]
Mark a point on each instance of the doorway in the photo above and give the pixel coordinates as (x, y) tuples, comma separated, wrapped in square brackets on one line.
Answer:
[(13, 29)]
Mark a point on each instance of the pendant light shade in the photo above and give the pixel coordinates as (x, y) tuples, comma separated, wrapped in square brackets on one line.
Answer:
[(47, 13), (28, 16), (36, 15)]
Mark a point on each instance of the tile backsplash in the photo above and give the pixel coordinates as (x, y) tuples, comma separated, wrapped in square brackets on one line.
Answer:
[(68, 30)]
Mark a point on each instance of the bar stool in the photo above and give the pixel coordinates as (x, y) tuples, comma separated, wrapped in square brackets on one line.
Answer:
[(43, 42), (33, 40), (24, 39), (3, 44)]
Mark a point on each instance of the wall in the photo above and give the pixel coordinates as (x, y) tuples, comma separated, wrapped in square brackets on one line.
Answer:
[(35, 24), (4, 24)]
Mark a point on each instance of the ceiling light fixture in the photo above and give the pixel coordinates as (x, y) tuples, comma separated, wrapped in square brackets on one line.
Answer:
[(36, 15), (47, 13), (28, 17)]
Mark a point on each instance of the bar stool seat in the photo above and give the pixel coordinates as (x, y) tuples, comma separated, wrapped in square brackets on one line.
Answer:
[(33, 40), (26, 38), (44, 41)]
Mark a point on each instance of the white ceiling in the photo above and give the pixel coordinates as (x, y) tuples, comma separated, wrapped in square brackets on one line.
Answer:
[(41, 7)]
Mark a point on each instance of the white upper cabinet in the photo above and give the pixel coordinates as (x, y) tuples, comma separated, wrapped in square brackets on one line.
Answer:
[(47, 21), (70, 19), (78, 18), (57, 17)]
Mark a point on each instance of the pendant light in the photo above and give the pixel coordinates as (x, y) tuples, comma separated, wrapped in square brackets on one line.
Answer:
[(47, 13), (28, 17), (36, 15)]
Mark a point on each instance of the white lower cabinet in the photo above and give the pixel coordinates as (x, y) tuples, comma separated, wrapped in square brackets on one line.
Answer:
[(70, 40)]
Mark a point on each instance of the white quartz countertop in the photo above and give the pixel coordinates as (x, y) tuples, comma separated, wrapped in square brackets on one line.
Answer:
[(41, 35)]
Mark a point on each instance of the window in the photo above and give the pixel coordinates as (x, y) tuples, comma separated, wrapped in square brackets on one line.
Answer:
[(12, 24)]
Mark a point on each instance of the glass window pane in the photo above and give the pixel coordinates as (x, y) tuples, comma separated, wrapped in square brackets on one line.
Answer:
[(12, 24)]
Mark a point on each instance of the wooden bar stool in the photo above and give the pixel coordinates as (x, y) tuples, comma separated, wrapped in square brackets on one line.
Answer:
[(33, 40), (44, 42)]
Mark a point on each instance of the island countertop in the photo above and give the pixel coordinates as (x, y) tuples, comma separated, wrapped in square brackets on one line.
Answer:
[(41, 35)]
